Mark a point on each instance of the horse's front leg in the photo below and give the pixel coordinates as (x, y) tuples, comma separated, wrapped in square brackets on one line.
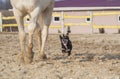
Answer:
[(19, 18), (44, 36), (46, 22), (31, 28)]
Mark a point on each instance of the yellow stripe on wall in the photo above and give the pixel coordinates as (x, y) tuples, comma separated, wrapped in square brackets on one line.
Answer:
[(14, 25), (56, 14), (98, 26), (75, 17), (77, 24), (55, 26), (106, 13), (8, 18), (11, 25)]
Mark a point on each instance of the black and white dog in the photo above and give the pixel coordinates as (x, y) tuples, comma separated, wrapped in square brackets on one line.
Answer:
[(66, 44)]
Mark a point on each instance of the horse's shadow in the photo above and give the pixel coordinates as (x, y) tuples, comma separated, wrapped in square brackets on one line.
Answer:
[(84, 57), (111, 56)]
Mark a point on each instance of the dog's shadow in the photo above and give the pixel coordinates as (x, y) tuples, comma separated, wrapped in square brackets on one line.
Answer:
[(61, 57)]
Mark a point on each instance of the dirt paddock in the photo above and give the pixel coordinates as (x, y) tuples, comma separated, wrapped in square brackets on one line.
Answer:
[(94, 56)]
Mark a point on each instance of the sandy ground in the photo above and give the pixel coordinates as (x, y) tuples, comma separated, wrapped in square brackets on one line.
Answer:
[(94, 56)]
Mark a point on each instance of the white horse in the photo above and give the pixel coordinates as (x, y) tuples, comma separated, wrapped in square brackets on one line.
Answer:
[(40, 12)]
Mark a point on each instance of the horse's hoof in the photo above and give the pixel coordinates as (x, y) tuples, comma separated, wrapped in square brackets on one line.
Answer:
[(21, 58), (28, 60), (42, 57)]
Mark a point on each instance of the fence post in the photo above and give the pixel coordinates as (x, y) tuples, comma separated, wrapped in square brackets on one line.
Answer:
[(92, 17), (62, 22), (0, 22)]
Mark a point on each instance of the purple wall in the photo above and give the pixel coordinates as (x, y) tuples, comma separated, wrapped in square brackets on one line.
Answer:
[(72, 3), (87, 3)]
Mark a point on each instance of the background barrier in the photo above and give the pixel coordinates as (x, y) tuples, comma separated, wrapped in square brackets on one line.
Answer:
[(9, 26)]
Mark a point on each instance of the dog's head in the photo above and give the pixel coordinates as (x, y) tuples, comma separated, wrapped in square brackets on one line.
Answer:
[(65, 38)]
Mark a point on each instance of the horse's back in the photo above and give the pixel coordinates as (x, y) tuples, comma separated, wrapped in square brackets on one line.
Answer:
[(29, 5)]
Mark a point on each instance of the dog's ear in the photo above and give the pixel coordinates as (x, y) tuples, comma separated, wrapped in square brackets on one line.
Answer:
[(59, 31), (68, 30), (64, 35), (60, 36)]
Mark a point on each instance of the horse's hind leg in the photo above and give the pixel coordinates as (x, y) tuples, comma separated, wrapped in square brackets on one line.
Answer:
[(19, 18), (31, 28)]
